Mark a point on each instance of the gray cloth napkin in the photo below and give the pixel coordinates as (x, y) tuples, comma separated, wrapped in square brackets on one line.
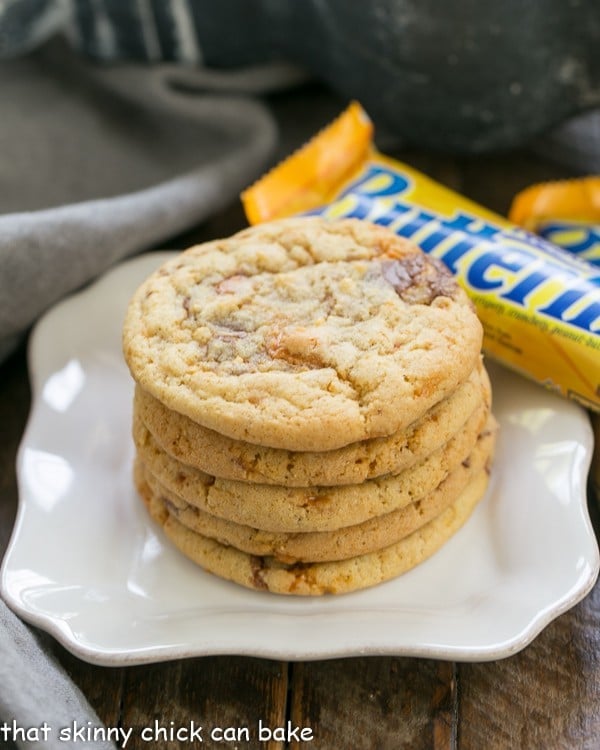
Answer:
[(37, 698), (149, 157)]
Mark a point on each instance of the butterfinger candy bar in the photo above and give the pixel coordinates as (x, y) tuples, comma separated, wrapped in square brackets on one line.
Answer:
[(566, 213), (539, 305)]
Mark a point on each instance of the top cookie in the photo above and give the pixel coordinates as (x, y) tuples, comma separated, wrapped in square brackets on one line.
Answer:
[(302, 334)]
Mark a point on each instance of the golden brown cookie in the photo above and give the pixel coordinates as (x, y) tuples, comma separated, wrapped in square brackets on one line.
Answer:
[(323, 546), (302, 334), (301, 509), (226, 458), (338, 577)]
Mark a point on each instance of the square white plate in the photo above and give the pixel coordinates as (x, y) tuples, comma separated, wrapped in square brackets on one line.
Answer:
[(86, 564)]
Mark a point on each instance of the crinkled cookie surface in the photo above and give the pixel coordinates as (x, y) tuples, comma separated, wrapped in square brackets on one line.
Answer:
[(302, 334)]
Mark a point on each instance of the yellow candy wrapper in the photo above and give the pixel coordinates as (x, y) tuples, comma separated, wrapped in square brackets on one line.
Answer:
[(565, 212), (539, 305)]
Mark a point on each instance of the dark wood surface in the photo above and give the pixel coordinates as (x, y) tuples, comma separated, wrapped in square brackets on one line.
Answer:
[(547, 696)]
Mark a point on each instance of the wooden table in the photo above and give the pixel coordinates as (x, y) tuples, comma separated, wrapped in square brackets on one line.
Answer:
[(547, 696)]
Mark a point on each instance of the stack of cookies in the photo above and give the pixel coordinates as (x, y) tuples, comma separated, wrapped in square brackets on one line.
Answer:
[(311, 412)]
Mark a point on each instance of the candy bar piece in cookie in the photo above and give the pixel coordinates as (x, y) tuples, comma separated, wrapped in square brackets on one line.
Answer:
[(302, 334)]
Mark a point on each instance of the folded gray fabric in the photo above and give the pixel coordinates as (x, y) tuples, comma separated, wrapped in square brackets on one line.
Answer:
[(39, 705), (151, 160)]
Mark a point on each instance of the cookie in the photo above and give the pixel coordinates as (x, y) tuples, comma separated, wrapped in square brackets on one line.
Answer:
[(302, 509), (226, 458), (302, 334), (323, 546), (338, 577)]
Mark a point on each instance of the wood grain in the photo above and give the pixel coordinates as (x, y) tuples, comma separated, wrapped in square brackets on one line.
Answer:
[(213, 692), (376, 703)]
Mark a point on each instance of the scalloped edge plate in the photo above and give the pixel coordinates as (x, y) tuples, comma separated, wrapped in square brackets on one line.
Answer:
[(86, 564)]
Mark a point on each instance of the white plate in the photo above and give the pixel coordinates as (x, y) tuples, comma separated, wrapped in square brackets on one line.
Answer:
[(86, 564)]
